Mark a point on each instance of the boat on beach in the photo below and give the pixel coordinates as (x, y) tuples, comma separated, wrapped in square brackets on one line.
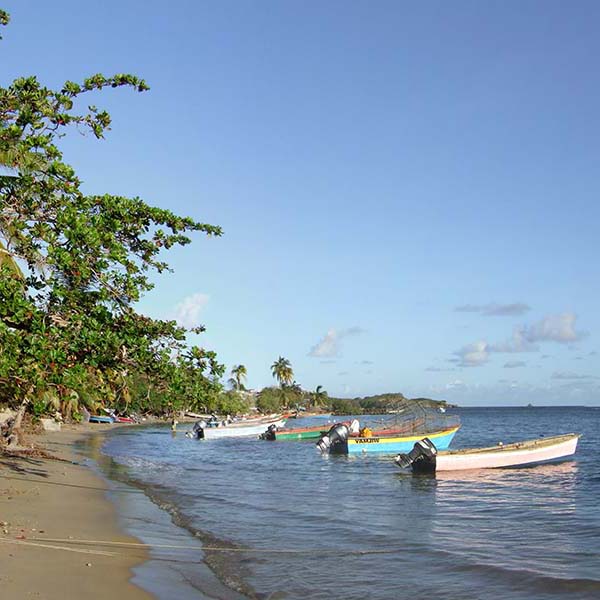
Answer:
[(101, 419), (426, 456)]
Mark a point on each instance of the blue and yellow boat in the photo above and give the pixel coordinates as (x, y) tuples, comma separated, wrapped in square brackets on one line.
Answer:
[(391, 444), (339, 440)]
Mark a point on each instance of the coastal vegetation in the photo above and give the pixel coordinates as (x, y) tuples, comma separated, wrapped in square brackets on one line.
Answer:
[(282, 371), (378, 404), (238, 375), (74, 264)]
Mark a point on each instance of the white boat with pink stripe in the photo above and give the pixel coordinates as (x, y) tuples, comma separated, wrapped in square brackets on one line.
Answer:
[(424, 456)]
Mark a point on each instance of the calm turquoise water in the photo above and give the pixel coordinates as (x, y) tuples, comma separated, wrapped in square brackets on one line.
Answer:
[(317, 527)]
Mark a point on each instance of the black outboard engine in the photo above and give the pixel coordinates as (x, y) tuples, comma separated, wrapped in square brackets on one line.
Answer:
[(197, 431), (421, 458), (338, 434), (269, 434)]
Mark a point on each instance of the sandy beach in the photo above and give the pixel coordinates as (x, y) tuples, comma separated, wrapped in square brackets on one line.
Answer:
[(42, 499)]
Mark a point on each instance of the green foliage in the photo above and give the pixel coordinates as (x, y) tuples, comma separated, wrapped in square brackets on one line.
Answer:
[(379, 404), (270, 400), (38, 408), (4, 19), (238, 374), (341, 406), (319, 397), (73, 265), (282, 371), (231, 403)]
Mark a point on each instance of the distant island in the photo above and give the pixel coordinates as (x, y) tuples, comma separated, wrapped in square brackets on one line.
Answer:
[(380, 404)]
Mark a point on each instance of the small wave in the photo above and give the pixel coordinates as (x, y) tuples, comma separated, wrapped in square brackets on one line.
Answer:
[(533, 581)]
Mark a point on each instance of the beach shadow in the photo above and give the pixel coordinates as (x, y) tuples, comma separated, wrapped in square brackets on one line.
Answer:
[(24, 466)]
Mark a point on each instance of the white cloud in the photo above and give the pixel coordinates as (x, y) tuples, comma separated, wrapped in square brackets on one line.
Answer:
[(517, 343), (495, 310), (514, 364), (456, 384), (570, 375), (187, 312), (525, 338), (329, 345), (554, 328), (473, 355)]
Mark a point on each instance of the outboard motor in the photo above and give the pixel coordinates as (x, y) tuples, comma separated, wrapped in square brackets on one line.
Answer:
[(338, 434), (421, 457), (269, 434), (197, 431)]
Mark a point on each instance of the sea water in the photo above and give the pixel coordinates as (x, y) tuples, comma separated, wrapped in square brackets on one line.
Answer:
[(297, 524)]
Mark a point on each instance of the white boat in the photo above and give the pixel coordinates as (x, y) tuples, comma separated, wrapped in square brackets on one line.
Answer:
[(252, 427), (425, 457)]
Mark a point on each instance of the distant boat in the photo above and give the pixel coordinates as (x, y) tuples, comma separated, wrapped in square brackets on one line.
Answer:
[(101, 419), (253, 427), (425, 457), (338, 441), (301, 433)]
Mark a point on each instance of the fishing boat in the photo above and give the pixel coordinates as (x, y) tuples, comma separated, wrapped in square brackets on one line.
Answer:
[(427, 457), (274, 433), (222, 429), (412, 420), (337, 441), (125, 420), (101, 419), (314, 432)]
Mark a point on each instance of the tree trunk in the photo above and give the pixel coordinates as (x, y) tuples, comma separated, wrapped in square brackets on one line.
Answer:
[(13, 435)]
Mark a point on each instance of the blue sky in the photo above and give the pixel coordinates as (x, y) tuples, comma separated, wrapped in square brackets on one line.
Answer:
[(408, 190)]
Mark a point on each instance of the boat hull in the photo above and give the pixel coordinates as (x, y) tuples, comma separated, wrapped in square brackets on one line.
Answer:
[(101, 419), (239, 429), (531, 452), (393, 444), (300, 434)]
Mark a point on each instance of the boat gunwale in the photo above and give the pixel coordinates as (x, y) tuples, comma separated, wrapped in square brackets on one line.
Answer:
[(408, 438), (248, 423)]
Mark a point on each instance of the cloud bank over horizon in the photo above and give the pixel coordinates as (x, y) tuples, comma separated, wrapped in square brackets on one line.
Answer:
[(495, 310), (559, 328)]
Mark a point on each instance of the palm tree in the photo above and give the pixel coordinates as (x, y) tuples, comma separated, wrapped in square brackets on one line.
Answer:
[(319, 396), (282, 371), (238, 374)]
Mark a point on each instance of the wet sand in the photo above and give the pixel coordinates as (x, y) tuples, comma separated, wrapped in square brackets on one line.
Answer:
[(43, 499)]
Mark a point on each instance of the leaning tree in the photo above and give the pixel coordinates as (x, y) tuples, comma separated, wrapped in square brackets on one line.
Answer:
[(73, 264)]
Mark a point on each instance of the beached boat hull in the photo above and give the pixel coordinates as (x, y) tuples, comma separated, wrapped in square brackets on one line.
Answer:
[(101, 419), (392, 444), (240, 429)]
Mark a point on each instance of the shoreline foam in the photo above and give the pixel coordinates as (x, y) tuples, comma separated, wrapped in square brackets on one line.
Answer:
[(195, 574)]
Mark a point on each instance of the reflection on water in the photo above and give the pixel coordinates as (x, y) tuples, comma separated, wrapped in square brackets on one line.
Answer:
[(561, 471), (361, 522)]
